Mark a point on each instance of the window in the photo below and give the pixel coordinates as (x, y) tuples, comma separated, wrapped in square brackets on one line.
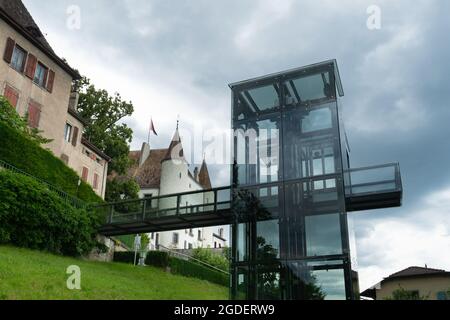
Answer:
[(175, 238), (191, 232), (221, 232), (40, 76), (152, 235), (199, 235), (67, 132), (268, 239), (18, 59), (11, 95), (190, 246), (34, 114), (95, 181), (148, 196), (85, 174)]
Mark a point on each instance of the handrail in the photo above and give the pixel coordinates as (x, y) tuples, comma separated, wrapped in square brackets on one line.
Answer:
[(78, 203), (190, 257)]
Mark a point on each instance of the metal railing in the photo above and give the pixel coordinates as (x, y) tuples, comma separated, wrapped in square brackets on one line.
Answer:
[(209, 201), (188, 258), (65, 196), (373, 180)]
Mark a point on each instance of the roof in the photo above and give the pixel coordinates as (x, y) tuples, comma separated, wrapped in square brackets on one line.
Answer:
[(417, 271), (17, 16), (203, 177), (175, 143), (147, 176), (77, 116), (91, 146), (332, 63)]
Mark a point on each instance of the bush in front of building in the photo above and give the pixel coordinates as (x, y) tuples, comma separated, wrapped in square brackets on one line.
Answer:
[(32, 216), (157, 259), (194, 270), (219, 261), (124, 257), (20, 149)]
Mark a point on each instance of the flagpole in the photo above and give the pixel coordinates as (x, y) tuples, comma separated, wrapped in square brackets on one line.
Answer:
[(149, 131)]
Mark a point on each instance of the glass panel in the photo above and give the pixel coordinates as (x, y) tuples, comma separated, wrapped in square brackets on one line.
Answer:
[(242, 284), (317, 120), (310, 88), (323, 235), (307, 155), (254, 101), (268, 240), (269, 285), (257, 152), (331, 283), (241, 242)]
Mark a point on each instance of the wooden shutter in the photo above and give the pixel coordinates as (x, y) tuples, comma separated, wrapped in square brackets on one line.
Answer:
[(75, 136), (95, 181), (10, 44), (85, 174), (31, 66), (11, 95), (34, 114), (51, 80)]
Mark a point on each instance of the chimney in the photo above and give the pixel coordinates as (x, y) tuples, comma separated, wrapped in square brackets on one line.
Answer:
[(73, 100), (145, 153), (196, 174)]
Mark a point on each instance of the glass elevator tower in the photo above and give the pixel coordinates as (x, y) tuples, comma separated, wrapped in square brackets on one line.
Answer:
[(289, 184)]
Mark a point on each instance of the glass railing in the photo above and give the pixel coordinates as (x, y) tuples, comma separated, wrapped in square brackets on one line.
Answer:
[(373, 180)]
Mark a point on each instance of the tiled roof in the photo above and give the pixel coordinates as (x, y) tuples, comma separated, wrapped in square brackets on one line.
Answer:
[(16, 14), (149, 174), (416, 271)]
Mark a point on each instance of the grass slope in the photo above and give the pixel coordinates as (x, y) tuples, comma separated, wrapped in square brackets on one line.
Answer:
[(26, 274)]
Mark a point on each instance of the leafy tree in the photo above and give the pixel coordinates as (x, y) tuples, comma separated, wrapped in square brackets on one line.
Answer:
[(104, 113), (121, 190), (403, 294)]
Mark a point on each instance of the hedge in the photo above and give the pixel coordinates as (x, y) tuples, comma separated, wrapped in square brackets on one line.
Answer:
[(32, 216), (27, 155), (191, 269), (124, 257), (157, 258)]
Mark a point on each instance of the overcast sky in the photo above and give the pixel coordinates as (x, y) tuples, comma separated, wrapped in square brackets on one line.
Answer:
[(177, 57)]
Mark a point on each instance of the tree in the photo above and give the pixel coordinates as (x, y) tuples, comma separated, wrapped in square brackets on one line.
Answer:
[(403, 294), (104, 113)]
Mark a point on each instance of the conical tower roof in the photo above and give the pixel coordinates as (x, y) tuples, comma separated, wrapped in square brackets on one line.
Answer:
[(175, 151), (203, 177)]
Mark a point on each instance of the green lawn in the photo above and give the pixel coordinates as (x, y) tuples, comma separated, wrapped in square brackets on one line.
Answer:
[(26, 274)]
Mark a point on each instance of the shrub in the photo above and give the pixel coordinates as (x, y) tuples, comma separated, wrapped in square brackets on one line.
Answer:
[(32, 216), (190, 269), (27, 155), (157, 258), (124, 257), (219, 261)]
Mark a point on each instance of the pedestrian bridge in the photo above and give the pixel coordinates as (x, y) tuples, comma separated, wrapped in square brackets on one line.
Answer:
[(365, 189)]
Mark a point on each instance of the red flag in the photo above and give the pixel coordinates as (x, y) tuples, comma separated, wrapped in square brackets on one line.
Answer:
[(152, 127)]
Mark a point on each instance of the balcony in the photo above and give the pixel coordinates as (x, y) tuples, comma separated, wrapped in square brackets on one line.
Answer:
[(373, 187)]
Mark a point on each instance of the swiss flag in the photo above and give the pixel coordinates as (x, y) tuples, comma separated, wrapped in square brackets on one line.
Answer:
[(152, 127)]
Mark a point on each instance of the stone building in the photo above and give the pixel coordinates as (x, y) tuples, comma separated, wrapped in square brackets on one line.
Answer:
[(38, 83)]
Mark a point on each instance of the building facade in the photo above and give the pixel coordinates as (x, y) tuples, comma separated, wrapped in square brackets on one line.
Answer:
[(421, 283), (160, 172), (38, 84)]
